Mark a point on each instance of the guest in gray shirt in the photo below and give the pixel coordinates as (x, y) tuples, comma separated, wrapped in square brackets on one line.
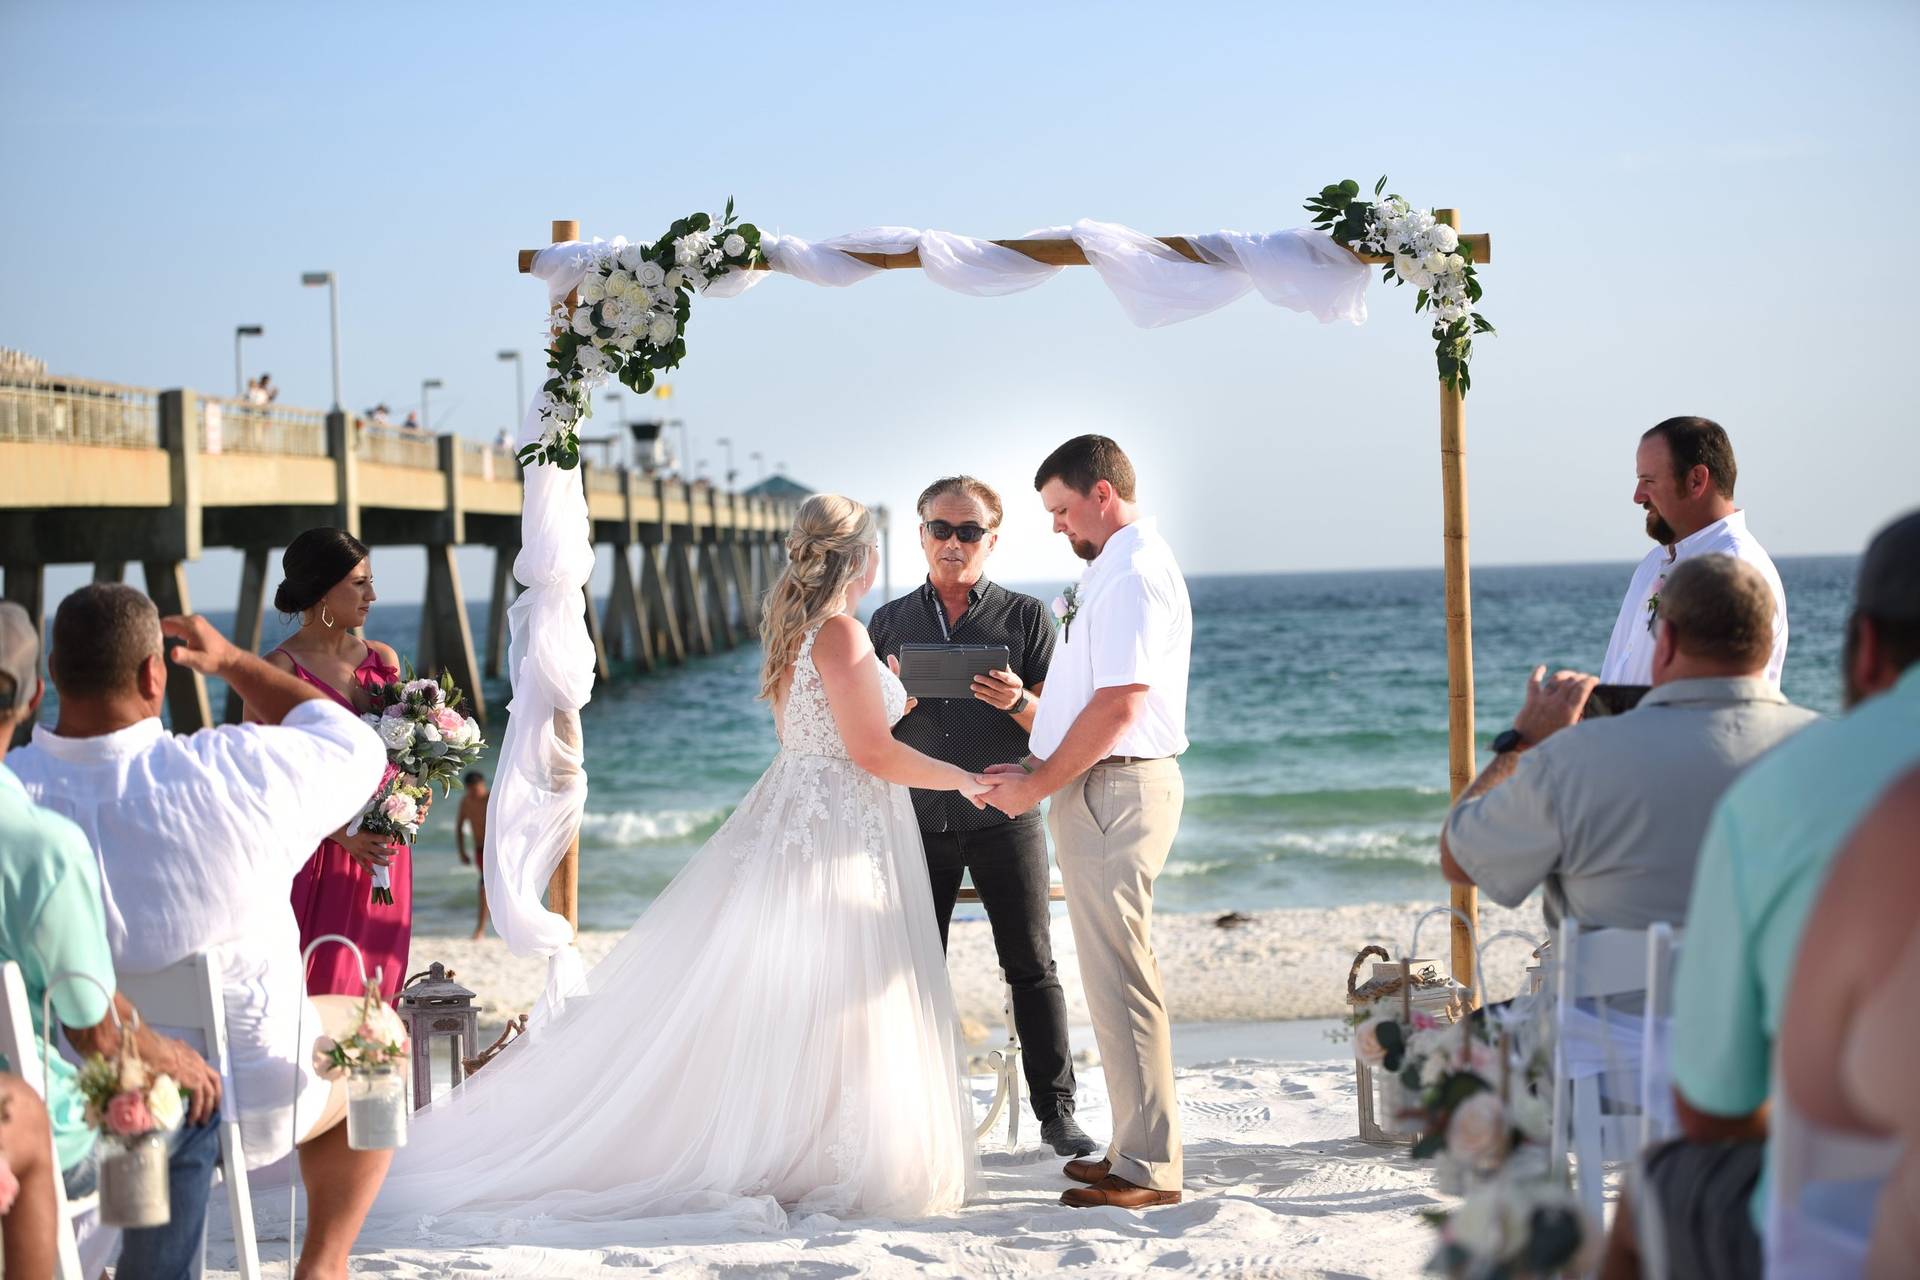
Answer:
[(1609, 813)]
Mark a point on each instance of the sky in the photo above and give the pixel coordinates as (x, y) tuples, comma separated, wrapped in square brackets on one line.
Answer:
[(1691, 209)]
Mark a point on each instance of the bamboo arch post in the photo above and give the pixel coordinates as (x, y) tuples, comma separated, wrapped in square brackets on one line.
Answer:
[(563, 889), (1464, 900)]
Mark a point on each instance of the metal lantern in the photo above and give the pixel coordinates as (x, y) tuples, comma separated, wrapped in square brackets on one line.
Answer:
[(433, 1004), (1430, 992)]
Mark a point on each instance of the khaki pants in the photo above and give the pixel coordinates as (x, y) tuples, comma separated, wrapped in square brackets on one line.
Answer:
[(1112, 830)]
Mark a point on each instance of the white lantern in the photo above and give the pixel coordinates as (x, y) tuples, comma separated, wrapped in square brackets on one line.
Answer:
[(1383, 1100)]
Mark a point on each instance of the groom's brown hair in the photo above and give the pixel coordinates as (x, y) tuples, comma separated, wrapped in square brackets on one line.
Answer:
[(1083, 462)]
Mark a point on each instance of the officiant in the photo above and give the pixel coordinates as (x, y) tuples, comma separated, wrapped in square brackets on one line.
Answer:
[(1006, 857)]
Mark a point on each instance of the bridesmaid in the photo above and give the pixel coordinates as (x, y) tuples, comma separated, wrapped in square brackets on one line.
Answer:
[(329, 584)]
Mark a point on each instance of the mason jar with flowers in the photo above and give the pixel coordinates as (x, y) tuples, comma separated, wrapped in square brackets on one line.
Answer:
[(373, 1060), (134, 1109)]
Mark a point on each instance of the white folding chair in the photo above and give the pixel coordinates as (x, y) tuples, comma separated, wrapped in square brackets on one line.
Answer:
[(1598, 966), (1656, 1085), (184, 1001), (22, 1050)]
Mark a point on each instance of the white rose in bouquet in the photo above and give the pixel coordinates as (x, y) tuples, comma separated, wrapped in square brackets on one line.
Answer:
[(593, 289), (735, 245), (618, 283), (631, 257), (675, 278), (650, 275), (396, 734), (663, 330), (164, 1103), (467, 735), (1443, 238), (582, 323), (626, 341)]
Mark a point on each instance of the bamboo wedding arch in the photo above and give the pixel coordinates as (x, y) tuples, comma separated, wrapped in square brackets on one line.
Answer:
[(563, 889)]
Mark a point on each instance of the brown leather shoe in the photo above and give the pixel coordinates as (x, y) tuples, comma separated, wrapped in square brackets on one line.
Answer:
[(1116, 1191), (1088, 1170)]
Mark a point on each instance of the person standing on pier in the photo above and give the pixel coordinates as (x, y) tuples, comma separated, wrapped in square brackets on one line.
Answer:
[(329, 584), (1007, 857)]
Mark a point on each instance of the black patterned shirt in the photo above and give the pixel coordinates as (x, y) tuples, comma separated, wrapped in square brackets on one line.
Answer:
[(966, 732)]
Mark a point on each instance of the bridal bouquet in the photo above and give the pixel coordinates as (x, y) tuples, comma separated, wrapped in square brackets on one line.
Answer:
[(429, 742)]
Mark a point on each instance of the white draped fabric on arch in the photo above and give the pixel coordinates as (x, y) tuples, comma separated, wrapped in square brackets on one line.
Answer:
[(540, 785)]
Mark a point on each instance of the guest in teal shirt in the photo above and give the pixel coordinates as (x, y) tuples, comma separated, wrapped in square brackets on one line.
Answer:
[(1764, 858)]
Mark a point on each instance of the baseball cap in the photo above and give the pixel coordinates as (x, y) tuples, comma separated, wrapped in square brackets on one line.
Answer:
[(19, 654), (1889, 582)]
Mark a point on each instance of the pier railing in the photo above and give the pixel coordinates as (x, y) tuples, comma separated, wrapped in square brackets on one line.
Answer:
[(101, 473)]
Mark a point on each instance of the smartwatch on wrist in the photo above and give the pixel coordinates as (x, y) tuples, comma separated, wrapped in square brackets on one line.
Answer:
[(1509, 740), (1025, 700)]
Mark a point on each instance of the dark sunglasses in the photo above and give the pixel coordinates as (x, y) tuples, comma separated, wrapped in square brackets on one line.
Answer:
[(940, 531)]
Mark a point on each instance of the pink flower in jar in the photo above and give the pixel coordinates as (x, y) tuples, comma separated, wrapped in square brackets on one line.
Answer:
[(127, 1115)]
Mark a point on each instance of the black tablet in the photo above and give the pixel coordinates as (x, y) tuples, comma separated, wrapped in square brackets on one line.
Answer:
[(947, 670)]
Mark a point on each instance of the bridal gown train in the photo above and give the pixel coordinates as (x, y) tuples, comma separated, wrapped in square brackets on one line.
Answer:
[(775, 1034)]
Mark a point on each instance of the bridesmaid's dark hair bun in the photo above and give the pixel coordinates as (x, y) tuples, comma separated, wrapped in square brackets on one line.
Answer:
[(315, 563)]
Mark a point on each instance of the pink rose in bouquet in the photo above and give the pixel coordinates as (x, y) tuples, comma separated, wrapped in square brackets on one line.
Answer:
[(127, 1115)]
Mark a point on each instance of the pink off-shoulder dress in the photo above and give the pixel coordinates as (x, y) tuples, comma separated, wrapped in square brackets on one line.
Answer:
[(334, 894)]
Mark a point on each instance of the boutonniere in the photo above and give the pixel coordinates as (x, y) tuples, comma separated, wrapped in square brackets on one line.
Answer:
[(1066, 607), (1653, 603)]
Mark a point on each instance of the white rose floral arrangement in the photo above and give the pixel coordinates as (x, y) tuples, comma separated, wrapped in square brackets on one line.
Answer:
[(1427, 254), (430, 742), (631, 320), (1514, 1227), (1473, 1109), (125, 1100)]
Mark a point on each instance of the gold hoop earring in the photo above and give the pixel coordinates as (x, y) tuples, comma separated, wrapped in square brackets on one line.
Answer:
[(326, 617)]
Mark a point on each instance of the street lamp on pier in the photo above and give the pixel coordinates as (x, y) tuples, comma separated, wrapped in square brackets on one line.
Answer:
[(726, 442), (426, 419), (239, 378), (327, 278)]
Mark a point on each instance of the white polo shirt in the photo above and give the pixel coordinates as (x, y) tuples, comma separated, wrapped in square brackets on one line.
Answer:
[(1133, 626), (1630, 652)]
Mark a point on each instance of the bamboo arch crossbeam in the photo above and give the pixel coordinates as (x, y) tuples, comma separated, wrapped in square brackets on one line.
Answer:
[(1465, 900), (1065, 253)]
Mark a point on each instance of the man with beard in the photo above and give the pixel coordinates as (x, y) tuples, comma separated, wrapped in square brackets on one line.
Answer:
[(1685, 482)]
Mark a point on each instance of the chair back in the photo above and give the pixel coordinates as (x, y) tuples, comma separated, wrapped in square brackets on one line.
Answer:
[(184, 1000), (1823, 1193), (1656, 1080), (22, 1050)]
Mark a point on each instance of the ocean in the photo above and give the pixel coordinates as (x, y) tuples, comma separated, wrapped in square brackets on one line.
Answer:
[(1317, 712)]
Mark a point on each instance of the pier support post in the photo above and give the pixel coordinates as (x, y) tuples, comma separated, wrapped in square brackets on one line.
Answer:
[(248, 615), (109, 570), (626, 616), (443, 622), (342, 448), (683, 552), (497, 608), (186, 690)]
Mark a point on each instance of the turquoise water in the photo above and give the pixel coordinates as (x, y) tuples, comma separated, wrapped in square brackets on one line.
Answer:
[(1317, 711)]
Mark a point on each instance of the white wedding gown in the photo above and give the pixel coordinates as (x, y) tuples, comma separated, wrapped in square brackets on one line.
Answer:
[(774, 1035)]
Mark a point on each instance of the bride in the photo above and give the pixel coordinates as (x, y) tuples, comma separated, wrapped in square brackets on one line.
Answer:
[(776, 1033)]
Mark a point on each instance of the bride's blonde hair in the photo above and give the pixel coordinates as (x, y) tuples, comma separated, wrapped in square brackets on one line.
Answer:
[(827, 550)]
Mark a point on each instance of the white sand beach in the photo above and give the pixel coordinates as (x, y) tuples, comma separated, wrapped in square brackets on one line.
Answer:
[(1277, 1182), (1277, 1185), (1275, 965)]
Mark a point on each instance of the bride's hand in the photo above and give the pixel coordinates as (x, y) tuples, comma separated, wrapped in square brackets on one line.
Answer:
[(976, 786)]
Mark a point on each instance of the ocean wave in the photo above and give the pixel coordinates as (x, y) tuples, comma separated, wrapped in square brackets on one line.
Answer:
[(628, 827), (1347, 805)]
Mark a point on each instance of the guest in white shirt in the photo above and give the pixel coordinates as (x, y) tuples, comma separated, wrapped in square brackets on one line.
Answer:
[(1106, 742), (198, 838), (1685, 482)]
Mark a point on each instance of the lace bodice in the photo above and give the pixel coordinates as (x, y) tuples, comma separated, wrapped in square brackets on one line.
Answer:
[(807, 722)]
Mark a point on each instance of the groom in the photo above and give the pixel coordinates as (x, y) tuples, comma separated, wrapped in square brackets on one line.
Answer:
[(1105, 742)]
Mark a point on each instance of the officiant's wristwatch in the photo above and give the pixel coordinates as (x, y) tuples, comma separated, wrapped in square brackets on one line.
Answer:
[(1509, 739), (1021, 704)]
